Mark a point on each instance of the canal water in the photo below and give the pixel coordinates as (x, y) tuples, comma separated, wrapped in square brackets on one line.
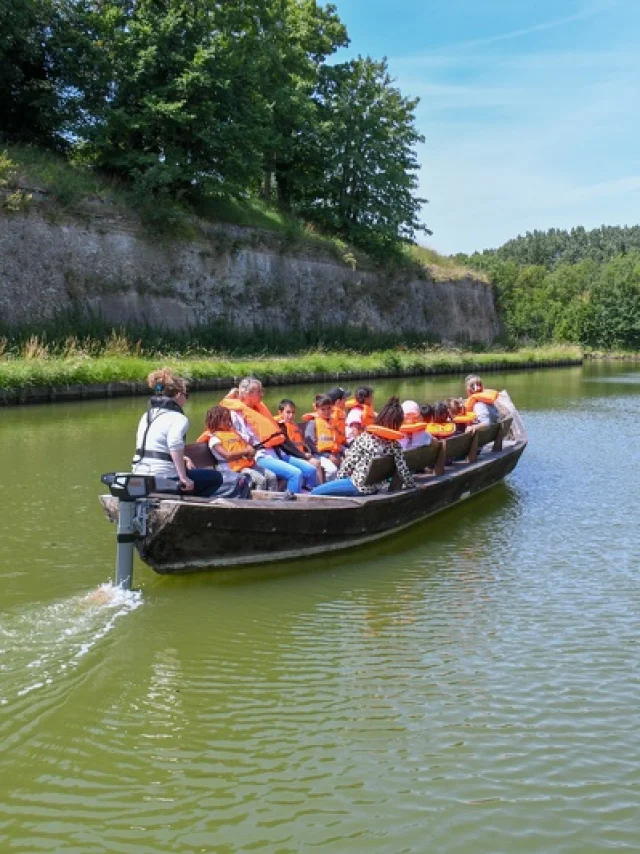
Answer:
[(471, 685)]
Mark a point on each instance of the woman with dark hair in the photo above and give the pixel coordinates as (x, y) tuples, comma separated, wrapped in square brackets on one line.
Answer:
[(378, 440), (161, 436)]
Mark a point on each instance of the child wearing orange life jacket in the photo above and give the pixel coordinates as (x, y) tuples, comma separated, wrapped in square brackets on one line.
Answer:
[(232, 452), (413, 428), (323, 438), (459, 415), (441, 427), (360, 413), (286, 418), (339, 412)]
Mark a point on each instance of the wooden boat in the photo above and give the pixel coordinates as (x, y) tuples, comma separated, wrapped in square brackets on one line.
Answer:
[(186, 534)]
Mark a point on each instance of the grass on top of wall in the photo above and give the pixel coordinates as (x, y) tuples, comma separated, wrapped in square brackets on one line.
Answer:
[(27, 170), (36, 367)]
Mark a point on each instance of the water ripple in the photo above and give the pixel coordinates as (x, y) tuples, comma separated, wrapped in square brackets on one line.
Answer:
[(471, 685)]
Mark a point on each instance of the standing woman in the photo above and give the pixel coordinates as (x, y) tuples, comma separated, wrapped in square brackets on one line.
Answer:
[(161, 436)]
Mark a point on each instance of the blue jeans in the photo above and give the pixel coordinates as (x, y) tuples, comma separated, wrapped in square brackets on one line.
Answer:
[(291, 469), (343, 486), (206, 482)]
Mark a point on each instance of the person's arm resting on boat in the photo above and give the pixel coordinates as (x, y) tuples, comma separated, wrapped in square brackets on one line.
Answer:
[(175, 443)]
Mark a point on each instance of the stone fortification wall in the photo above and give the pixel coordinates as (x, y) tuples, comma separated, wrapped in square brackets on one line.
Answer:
[(103, 264)]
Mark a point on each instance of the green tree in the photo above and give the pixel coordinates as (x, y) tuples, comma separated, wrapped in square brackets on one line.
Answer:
[(29, 102), (299, 35), (366, 163), (612, 320), (169, 92)]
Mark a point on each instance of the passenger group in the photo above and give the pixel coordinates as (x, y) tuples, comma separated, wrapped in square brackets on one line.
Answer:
[(326, 451)]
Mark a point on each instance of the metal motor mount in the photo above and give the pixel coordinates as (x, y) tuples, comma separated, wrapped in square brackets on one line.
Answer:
[(132, 490), (129, 487)]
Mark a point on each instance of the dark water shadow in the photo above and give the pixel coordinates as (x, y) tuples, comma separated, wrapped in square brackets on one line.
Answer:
[(435, 535)]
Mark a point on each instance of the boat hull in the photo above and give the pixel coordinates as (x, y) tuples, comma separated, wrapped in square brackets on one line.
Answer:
[(192, 535)]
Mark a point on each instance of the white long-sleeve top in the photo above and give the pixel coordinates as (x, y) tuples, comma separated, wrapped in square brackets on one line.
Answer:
[(167, 433)]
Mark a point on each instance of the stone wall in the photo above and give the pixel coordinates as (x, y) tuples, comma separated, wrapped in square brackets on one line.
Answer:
[(102, 263)]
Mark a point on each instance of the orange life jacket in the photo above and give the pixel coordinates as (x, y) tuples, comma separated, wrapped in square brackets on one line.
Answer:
[(385, 433), (260, 420), (416, 427), (442, 431), (327, 441), (308, 416), (339, 423), (233, 443), (368, 415), (489, 395), (293, 434), (466, 419)]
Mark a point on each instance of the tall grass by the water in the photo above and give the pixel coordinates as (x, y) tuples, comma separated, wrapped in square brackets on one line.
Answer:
[(614, 355), (35, 366)]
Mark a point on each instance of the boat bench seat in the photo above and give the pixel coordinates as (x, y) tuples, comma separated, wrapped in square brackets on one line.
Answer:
[(417, 459), (464, 447), (200, 455)]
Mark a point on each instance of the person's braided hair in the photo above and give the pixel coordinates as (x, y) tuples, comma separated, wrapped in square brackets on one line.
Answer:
[(165, 382), (391, 414)]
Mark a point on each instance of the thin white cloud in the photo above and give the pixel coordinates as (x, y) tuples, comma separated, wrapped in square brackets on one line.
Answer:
[(588, 10), (522, 141)]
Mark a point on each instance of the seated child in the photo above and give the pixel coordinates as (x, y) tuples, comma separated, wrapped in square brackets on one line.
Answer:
[(413, 427), (459, 415), (426, 413), (232, 452), (339, 412), (323, 437), (286, 418), (441, 427), (360, 412)]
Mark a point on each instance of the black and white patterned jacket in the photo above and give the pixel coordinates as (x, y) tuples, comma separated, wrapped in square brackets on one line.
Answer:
[(366, 448)]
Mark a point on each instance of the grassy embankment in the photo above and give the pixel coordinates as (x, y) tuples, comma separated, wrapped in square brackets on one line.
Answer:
[(36, 366), (81, 354)]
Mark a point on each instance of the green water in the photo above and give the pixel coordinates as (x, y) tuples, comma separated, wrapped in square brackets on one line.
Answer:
[(471, 685)]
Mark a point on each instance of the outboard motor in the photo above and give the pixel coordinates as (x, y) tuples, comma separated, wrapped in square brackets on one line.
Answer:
[(132, 491)]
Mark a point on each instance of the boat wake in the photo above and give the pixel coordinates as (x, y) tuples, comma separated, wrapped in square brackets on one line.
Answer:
[(39, 646)]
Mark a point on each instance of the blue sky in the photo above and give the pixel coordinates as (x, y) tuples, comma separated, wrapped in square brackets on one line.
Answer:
[(530, 110)]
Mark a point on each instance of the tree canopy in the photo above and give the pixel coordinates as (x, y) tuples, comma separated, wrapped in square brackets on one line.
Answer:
[(364, 149), (554, 247), (575, 286), (193, 97)]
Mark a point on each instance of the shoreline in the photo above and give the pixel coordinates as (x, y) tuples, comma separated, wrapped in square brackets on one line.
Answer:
[(35, 394)]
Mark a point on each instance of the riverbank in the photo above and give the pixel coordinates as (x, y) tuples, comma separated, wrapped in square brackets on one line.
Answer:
[(52, 379), (612, 355)]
